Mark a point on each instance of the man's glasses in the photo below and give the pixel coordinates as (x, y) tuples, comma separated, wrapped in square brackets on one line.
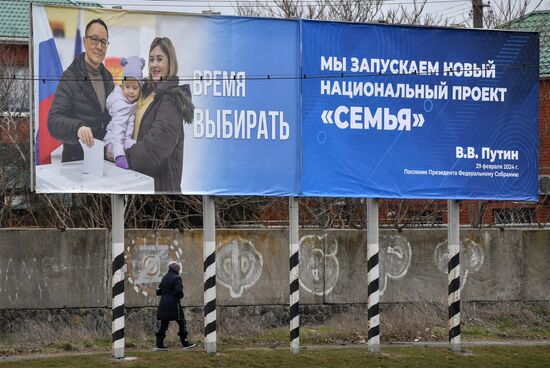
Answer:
[(95, 41)]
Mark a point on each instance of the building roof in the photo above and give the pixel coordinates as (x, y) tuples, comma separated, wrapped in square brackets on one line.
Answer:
[(538, 21), (14, 16)]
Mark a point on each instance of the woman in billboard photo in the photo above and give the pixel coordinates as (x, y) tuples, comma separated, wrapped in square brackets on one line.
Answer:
[(78, 110), (158, 128)]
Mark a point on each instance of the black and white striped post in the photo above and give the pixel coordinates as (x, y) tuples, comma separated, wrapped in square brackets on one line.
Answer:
[(373, 276), (453, 242), (117, 212), (209, 251), (294, 251)]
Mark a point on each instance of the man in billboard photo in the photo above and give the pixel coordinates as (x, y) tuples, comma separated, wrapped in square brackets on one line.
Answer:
[(170, 291), (78, 110), (158, 128)]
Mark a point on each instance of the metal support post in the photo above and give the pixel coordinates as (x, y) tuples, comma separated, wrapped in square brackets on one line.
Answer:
[(209, 237), (373, 276)]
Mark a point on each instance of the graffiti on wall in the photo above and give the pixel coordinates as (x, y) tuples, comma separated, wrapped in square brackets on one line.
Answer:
[(395, 259), (471, 258), (238, 266), (147, 259), (8, 288), (319, 268), (31, 280), (10, 280)]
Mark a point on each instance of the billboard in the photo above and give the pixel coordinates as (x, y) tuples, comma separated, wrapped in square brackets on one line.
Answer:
[(216, 125), (281, 107), (417, 112)]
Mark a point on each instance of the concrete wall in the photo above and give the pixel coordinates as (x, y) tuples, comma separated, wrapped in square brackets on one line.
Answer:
[(536, 266), (54, 269)]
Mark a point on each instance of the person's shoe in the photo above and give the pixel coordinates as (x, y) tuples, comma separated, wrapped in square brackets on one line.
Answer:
[(187, 345), (160, 344)]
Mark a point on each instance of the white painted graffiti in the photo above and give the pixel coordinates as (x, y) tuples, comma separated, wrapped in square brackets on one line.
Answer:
[(24, 280), (471, 258), (147, 262), (395, 259), (10, 278), (319, 269), (238, 266)]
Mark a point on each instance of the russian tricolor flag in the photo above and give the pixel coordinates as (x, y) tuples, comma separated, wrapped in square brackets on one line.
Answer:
[(78, 38), (48, 66)]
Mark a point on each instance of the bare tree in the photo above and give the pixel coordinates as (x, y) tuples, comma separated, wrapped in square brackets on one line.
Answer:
[(281, 9), (501, 14), (352, 10), (14, 147), (345, 10), (497, 14), (414, 14), (341, 10)]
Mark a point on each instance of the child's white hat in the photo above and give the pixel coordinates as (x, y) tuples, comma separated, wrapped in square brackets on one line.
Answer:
[(133, 67)]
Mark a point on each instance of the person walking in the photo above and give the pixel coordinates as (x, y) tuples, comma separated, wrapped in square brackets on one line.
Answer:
[(170, 291)]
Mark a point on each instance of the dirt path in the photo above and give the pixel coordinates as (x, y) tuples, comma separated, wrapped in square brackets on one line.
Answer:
[(438, 344), (12, 358), (435, 344)]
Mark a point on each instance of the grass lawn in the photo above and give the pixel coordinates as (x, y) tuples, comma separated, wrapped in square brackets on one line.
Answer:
[(486, 357)]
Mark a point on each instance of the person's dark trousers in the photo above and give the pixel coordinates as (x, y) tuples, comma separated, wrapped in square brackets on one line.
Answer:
[(164, 327)]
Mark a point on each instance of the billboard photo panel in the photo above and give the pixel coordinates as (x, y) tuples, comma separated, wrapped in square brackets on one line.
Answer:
[(206, 122)]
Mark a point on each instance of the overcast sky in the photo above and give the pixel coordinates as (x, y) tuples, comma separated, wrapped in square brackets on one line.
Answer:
[(456, 10)]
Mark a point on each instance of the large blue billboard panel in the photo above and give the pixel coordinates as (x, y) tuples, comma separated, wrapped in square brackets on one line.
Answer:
[(415, 112)]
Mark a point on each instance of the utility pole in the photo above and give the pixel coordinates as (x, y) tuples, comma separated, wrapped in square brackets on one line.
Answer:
[(477, 11)]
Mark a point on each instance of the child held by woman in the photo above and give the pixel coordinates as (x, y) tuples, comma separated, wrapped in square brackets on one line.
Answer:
[(122, 105)]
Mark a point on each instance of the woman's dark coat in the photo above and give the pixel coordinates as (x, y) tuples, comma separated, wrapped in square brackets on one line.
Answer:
[(75, 104), (171, 292), (158, 151)]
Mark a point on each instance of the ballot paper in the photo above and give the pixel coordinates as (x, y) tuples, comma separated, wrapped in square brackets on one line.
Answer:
[(93, 158)]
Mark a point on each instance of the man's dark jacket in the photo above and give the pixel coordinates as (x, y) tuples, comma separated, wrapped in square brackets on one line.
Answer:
[(170, 291), (159, 148), (75, 104)]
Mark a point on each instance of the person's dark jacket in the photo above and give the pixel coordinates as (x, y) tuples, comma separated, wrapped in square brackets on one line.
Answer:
[(170, 291), (158, 151), (75, 104)]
